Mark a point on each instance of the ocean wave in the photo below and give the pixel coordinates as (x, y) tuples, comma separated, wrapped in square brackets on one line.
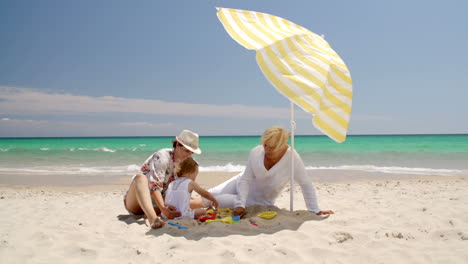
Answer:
[(72, 170), (12, 149), (101, 149), (101, 170), (393, 170), (226, 168), (104, 149), (24, 171), (133, 168), (114, 170)]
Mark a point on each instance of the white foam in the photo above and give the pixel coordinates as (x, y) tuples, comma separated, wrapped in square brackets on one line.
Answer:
[(393, 170), (133, 168), (101, 170), (45, 149), (226, 168), (104, 149), (23, 171), (71, 170)]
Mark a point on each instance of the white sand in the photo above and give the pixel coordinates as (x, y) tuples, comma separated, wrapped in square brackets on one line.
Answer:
[(389, 221)]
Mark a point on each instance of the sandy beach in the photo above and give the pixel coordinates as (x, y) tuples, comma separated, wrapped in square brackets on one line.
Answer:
[(389, 220)]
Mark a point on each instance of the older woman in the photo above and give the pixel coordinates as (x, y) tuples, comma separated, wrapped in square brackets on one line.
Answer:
[(267, 173), (146, 191)]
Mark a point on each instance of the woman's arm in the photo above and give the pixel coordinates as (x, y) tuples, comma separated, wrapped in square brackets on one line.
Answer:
[(308, 189), (169, 211), (156, 167), (244, 185)]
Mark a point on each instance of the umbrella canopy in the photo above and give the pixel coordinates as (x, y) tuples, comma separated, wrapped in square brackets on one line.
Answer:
[(300, 64)]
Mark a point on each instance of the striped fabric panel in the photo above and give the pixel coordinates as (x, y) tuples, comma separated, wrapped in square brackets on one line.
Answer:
[(300, 64)]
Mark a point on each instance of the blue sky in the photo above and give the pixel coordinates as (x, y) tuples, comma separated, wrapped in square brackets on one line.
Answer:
[(152, 68)]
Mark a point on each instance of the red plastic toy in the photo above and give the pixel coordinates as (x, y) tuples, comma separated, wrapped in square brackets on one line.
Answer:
[(203, 218)]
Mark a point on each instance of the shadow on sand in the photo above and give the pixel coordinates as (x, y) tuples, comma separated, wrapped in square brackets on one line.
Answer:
[(250, 225)]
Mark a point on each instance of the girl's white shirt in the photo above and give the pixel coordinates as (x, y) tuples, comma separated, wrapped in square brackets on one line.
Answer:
[(177, 195)]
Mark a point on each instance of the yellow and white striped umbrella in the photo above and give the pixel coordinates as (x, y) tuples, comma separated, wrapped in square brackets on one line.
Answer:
[(300, 64)]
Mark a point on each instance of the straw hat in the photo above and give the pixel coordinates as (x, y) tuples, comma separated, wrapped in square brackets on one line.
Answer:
[(189, 140)]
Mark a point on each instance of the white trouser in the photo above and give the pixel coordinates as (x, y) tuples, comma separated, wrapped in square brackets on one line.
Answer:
[(225, 193)]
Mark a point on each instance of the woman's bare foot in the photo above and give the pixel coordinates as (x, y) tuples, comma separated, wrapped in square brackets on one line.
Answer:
[(158, 223), (326, 212)]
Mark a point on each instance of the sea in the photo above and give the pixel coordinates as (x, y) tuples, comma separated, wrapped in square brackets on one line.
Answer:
[(430, 155)]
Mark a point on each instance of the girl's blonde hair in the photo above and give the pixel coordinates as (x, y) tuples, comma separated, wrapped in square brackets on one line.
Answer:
[(187, 166), (275, 137)]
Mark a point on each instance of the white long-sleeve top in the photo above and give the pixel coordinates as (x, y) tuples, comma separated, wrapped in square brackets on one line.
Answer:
[(260, 186)]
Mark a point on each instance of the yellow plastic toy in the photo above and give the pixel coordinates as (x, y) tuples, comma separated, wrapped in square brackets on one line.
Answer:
[(224, 211), (226, 220), (267, 215)]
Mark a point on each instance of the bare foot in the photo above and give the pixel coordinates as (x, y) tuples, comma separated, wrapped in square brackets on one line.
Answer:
[(158, 223), (239, 211), (327, 212)]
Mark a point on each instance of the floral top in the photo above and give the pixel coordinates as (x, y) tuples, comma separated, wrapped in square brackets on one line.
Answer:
[(159, 168)]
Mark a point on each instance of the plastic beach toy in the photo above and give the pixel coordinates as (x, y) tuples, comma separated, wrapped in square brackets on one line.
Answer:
[(267, 215), (207, 216), (226, 220), (179, 226), (224, 211)]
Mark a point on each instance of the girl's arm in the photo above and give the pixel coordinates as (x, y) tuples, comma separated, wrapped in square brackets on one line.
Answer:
[(204, 193)]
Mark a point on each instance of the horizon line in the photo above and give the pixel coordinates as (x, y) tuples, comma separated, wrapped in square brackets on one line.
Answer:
[(300, 135)]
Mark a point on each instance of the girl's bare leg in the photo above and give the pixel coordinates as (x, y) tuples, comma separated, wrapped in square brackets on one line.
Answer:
[(139, 199), (196, 201)]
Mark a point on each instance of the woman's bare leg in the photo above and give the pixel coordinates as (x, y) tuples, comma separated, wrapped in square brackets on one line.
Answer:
[(139, 199)]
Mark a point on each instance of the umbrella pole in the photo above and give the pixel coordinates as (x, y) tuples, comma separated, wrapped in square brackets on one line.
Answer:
[(293, 127)]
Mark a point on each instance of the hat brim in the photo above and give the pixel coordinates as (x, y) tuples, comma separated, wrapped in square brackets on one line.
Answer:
[(196, 151)]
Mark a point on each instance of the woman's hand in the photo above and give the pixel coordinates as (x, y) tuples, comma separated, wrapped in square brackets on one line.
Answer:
[(170, 212), (239, 211), (326, 212)]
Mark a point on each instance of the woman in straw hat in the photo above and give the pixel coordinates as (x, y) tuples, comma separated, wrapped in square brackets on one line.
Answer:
[(147, 188), (266, 174)]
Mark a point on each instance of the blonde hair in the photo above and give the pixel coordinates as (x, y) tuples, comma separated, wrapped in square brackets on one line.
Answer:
[(187, 166), (275, 137)]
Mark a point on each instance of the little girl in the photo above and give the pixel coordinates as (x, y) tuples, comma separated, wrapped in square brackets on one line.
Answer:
[(179, 192)]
